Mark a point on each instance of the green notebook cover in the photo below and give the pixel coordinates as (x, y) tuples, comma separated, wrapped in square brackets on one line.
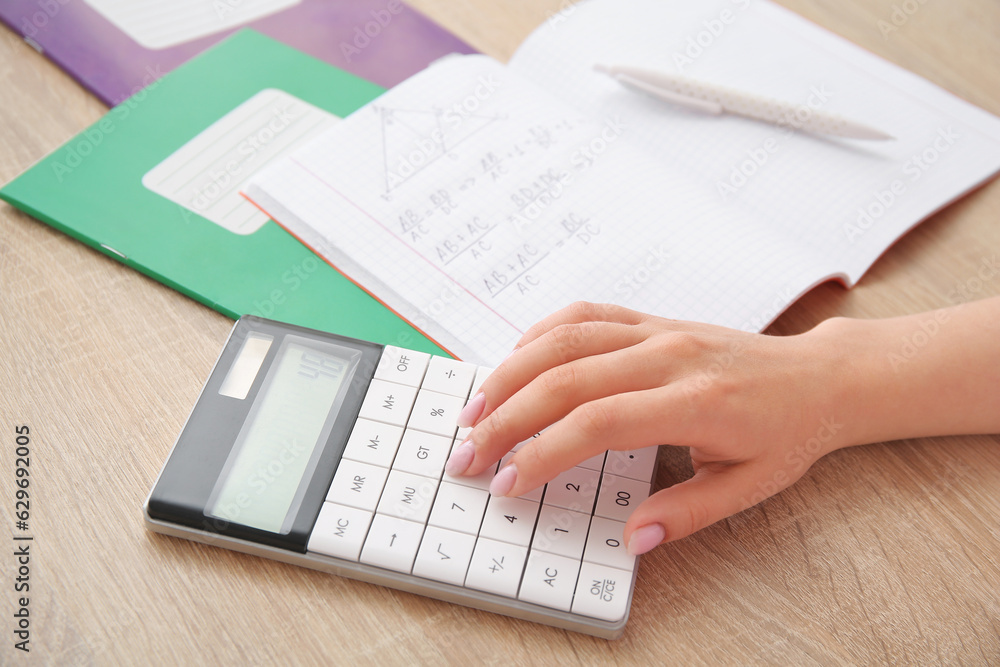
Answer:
[(92, 188)]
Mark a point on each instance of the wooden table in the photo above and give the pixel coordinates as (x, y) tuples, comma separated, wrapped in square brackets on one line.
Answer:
[(881, 554)]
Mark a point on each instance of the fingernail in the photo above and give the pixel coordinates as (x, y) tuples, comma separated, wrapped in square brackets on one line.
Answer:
[(510, 354), (645, 538), (460, 459), (470, 413), (504, 481)]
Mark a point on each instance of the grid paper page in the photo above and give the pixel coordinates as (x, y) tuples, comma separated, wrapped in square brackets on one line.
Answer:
[(474, 204), (848, 200)]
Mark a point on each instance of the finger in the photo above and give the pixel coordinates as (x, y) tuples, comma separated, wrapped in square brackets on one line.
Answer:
[(625, 420), (553, 395), (560, 346), (714, 493), (582, 311)]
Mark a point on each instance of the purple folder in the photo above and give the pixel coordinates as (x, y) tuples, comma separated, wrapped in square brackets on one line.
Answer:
[(383, 41)]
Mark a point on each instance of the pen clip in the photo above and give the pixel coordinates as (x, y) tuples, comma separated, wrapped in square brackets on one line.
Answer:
[(668, 96)]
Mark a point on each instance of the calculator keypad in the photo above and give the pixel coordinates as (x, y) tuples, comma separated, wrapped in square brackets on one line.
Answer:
[(391, 505)]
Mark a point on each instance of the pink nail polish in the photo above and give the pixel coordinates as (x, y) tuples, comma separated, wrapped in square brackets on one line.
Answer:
[(461, 458), (470, 413), (645, 538), (504, 481)]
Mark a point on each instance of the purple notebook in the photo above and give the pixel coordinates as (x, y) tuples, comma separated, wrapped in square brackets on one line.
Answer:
[(117, 47)]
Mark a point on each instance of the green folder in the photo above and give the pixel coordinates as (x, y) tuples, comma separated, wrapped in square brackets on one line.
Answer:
[(92, 189)]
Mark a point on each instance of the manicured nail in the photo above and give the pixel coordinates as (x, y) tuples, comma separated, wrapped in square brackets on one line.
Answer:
[(460, 459), (645, 538), (504, 481), (470, 413)]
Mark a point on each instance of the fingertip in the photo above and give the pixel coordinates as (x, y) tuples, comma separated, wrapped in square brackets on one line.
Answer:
[(472, 411), (460, 459), (504, 481), (645, 539)]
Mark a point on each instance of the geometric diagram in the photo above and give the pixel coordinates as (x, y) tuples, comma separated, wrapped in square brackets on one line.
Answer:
[(414, 139)]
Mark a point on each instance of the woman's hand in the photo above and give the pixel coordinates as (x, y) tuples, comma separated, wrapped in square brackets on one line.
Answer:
[(756, 411)]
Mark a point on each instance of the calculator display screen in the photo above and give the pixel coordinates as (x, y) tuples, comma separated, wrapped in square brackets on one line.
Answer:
[(277, 447)]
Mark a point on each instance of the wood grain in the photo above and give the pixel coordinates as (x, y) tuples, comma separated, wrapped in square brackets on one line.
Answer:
[(881, 554)]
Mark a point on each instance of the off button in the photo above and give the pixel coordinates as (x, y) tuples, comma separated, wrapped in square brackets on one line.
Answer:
[(401, 365)]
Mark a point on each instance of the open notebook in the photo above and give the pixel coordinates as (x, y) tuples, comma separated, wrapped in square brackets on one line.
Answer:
[(474, 198)]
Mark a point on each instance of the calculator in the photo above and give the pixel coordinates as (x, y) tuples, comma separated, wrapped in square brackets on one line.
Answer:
[(329, 452)]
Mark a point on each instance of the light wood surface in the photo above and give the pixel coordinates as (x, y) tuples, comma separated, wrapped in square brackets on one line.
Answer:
[(881, 554)]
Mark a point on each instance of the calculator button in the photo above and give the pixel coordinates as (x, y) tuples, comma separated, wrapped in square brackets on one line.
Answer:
[(635, 463), (449, 376), (575, 489), (388, 402), (482, 373), (422, 453), (401, 365), (606, 545), (392, 543), (373, 442), (602, 592), (407, 496), (444, 555), (459, 508), (619, 496), (435, 412), (509, 520), (496, 567), (549, 580), (357, 484), (594, 462), (560, 531), (535, 494), (339, 531)]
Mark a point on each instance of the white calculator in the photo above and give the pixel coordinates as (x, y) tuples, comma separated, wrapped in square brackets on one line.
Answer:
[(329, 452)]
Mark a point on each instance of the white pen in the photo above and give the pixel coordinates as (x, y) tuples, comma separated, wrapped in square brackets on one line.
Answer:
[(714, 99)]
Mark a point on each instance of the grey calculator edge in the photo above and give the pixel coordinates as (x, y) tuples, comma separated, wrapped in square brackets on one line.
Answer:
[(178, 501)]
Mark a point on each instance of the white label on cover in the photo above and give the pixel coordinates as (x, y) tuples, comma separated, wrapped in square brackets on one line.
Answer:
[(205, 175), (160, 24)]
